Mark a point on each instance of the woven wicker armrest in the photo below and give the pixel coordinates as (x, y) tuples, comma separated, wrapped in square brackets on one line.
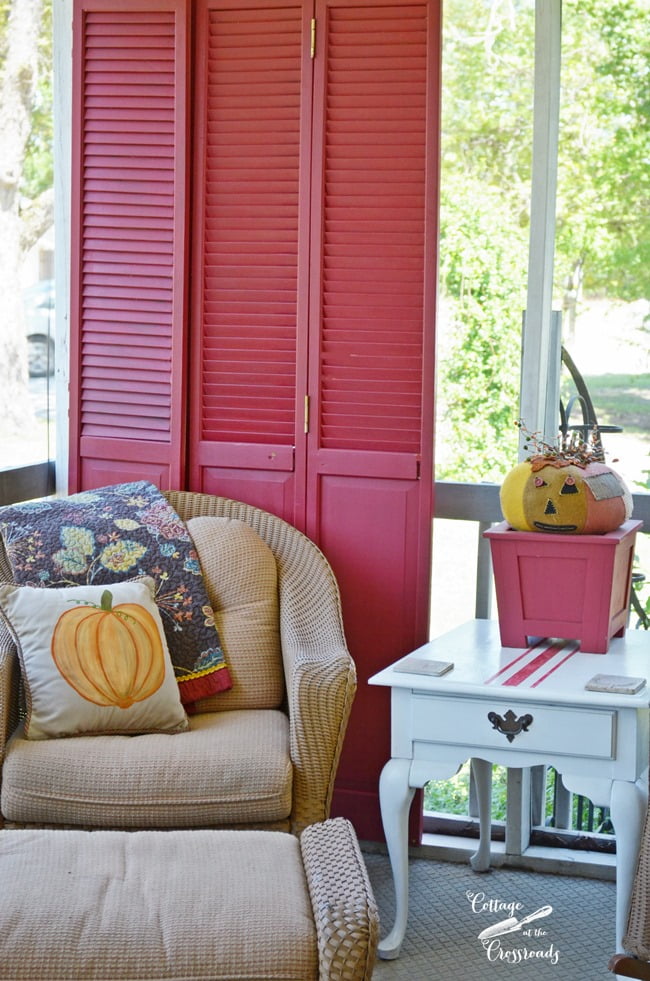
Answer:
[(320, 680), (9, 670), (9, 687), (344, 907), (320, 699)]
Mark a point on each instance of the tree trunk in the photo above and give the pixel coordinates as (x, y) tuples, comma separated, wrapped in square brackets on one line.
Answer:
[(17, 93)]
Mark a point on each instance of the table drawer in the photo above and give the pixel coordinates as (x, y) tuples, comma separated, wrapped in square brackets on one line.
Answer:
[(550, 729)]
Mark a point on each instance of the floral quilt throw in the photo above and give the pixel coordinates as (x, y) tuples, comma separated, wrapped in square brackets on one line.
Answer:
[(117, 533)]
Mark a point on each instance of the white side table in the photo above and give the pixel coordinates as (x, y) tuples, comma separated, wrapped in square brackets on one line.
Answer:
[(517, 708)]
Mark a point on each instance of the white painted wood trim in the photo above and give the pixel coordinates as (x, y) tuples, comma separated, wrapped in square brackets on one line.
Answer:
[(538, 402), (62, 48)]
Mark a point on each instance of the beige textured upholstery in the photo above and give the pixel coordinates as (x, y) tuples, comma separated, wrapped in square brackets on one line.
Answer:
[(241, 579), (233, 768), (263, 755), (186, 906)]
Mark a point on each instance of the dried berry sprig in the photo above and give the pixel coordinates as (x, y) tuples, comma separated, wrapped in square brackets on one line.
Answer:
[(568, 447)]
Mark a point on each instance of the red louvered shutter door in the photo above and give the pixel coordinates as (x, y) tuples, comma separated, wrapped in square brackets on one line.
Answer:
[(312, 289), (250, 248), (128, 242), (370, 444)]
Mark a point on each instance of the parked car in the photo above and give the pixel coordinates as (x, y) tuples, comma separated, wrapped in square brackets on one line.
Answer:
[(39, 318)]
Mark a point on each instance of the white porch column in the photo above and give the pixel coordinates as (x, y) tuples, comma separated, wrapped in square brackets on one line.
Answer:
[(540, 366), (541, 335)]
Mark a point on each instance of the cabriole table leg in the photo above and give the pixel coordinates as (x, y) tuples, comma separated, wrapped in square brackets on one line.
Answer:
[(482, 774), (395, 798)]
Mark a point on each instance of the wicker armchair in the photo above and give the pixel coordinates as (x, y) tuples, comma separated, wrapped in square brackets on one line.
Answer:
[(635, 962), (239, 765)]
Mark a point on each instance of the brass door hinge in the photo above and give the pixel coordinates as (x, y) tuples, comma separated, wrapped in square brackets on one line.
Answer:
[(313, 37), (306, 413)]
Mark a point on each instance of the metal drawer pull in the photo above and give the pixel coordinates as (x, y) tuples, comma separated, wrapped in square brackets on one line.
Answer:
[(509, 724)]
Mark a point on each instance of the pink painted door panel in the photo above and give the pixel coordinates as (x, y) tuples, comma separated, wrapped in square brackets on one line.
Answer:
[(249, 338), (371, 369), (128, 241)]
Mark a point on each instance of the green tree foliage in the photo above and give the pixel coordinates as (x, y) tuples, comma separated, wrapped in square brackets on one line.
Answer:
[(483, 280), (26, 206), (603, 215), (486, 160), (38, 167), (604, 156)]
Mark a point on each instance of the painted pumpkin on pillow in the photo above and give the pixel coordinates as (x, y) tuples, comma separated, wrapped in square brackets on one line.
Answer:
[(565, 497), (109, 655)]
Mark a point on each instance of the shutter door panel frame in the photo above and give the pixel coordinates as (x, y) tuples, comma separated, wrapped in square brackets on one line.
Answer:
[(372, 320), (251, 266), (129, 255)]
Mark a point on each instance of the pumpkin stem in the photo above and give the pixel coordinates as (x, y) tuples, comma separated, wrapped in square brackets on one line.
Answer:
[(106, 601)]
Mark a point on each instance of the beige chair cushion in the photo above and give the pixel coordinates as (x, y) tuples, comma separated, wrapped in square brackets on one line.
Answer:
[(241, 579), (230, 768), (171, 905)]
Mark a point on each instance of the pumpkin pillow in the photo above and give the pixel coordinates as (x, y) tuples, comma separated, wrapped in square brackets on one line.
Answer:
[(94, 659)]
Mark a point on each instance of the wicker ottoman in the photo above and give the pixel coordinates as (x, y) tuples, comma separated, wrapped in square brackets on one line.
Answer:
[(185, 905)]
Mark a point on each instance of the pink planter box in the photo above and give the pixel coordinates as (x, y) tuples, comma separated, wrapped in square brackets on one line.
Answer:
[(568, 586)]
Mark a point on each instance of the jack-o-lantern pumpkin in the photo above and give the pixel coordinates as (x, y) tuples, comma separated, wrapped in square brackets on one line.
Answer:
[(109, 655), (564, 496)]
